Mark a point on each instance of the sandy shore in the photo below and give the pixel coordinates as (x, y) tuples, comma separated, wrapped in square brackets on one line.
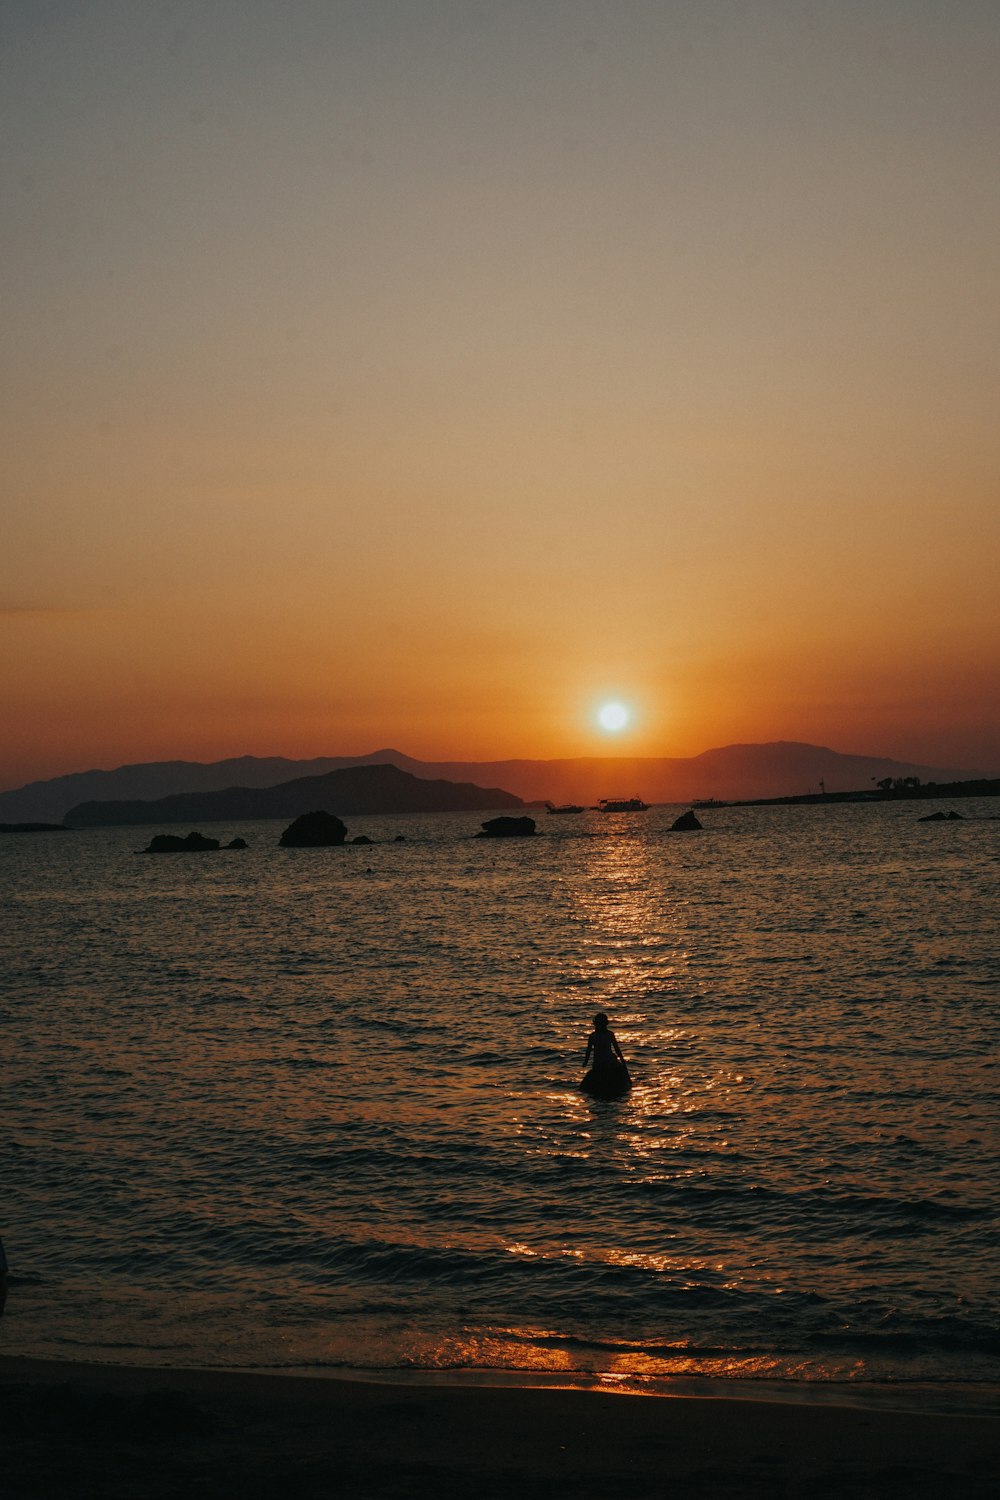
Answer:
[(116, 1432)]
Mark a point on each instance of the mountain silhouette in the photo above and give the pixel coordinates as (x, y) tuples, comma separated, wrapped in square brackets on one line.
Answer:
[(351, 790), (784, 768)]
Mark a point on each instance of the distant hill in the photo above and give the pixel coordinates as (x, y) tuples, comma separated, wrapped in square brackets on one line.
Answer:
[(355, 789), (730, 773), (51, 800)]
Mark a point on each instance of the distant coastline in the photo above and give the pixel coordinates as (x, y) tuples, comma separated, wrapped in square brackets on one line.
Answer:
[(33, 828), (981, 787)]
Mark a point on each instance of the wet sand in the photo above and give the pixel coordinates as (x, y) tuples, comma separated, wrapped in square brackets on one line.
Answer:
[(117, 1432)]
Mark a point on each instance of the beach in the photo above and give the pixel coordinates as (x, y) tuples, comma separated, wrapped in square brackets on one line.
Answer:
[(116, 1432)]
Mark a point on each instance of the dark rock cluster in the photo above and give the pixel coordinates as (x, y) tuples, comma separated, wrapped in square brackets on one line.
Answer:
[(172, 843), (507, 828), (313, 830), (686, 823)]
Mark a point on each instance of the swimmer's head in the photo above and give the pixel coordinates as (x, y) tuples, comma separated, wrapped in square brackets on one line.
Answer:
[(600, 1021)]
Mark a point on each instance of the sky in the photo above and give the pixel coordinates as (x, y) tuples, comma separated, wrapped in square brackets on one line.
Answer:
[(431, 373)]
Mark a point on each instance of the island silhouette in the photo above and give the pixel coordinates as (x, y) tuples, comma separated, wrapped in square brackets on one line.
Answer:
[(356, 789)]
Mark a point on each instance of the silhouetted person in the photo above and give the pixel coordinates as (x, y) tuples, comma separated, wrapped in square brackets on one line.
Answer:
[(609, 1075)]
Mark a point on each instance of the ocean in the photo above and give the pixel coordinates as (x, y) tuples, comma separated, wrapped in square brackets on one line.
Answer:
[(319, 1110)]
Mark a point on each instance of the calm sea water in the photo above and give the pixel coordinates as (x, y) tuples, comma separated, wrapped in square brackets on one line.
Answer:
[(320, 1109)]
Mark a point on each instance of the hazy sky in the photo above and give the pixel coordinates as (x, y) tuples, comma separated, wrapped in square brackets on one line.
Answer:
[(427, 372)]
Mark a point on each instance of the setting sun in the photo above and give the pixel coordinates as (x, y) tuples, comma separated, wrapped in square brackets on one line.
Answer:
[(613, 716)]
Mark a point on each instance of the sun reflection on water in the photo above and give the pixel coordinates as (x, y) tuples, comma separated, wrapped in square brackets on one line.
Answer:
[(625, 1369), (688, 1126)]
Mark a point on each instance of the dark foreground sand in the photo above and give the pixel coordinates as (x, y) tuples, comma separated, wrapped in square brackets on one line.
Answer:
[(85, 1431)]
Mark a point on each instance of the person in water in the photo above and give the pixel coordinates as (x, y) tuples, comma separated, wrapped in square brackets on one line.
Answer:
[(609, 1073)]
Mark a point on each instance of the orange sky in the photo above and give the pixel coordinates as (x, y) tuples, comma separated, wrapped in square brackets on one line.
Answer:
[(424, 374)]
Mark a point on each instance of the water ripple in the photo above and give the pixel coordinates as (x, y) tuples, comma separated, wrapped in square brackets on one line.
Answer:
[(307, 1110)]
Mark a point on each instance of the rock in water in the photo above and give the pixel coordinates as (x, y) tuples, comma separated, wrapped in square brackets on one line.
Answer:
[(686, 823), (507, 828), (314, 830), (172, 843)]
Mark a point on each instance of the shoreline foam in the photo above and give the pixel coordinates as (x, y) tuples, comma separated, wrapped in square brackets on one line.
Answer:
[(959, 1398), (935, 1396)]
